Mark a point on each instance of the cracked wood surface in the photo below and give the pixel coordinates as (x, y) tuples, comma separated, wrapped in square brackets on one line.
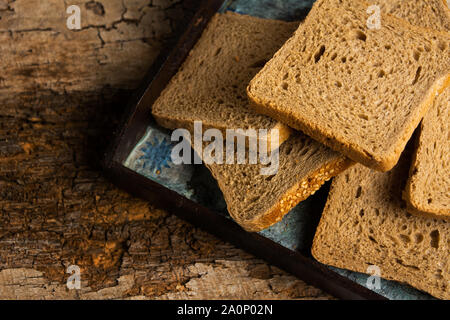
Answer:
[(61, 95)]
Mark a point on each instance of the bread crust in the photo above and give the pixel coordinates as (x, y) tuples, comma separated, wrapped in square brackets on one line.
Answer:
[(299, 192), (284, 132)]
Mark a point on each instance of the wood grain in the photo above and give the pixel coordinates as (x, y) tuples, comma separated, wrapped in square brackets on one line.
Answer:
[(61, 96)]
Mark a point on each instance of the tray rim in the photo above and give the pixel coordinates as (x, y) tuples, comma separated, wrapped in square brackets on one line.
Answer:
[(133, 126)]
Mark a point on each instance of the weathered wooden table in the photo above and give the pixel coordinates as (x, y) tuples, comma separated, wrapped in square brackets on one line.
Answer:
[(62, 93)]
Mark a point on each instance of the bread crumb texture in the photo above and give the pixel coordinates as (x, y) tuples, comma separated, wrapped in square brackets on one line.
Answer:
[(210, 86), (257, 201), (428, 189), (357, 90), (372, 227)]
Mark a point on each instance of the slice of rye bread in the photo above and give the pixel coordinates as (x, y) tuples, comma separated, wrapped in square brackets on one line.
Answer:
[(210, 85), (428, 189), (359, 91), (257, 201), (365, 223)]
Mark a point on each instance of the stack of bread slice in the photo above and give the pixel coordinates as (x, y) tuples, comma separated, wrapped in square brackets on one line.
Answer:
[(363, 92), (211, 87), (341, 91)]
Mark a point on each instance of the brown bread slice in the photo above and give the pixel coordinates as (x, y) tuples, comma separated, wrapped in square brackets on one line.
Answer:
[(210, 86), (428, 188), (257, 201), (365, 223), (359, 91)]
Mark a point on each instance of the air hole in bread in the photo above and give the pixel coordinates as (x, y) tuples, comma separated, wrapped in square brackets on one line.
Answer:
[(344, 59), (358, 192), (416, 55), (333, 56), (359, 35), (285, 85), (416, 78), (418, 237), (217, 51), (338, 84), (434, 239), (363, 116), (319, 54)]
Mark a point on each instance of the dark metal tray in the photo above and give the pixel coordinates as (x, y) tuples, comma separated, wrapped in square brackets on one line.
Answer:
[(287, 244)]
